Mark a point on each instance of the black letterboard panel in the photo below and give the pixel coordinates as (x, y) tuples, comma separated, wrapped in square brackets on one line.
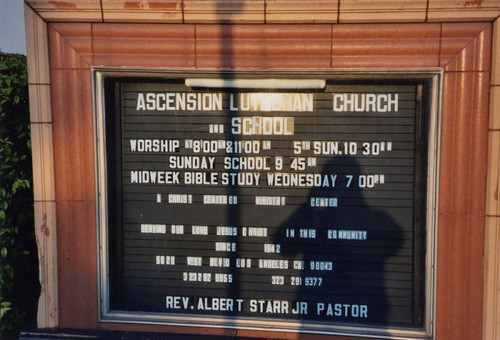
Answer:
[(283, 204)]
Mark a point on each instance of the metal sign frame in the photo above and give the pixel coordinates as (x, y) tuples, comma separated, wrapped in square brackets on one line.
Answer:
[(106, 314)]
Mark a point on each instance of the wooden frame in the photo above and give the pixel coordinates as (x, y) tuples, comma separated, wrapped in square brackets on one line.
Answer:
[(68, 251)]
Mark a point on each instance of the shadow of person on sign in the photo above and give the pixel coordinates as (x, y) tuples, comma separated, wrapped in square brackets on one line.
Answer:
[(347, 247)]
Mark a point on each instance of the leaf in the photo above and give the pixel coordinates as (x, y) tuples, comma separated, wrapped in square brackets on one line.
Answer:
[(4, 252), (15, 186)]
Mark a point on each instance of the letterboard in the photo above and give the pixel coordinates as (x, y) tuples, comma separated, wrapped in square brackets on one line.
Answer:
[(291, 205)]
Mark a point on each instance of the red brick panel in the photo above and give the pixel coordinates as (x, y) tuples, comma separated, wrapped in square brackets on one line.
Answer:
[(269, 46), (147, 45), (70, 46), (77, 264), (459, 298), (75, 197), (463, 141), (462, 205), (465, 47), (73, 135), (385, 46)]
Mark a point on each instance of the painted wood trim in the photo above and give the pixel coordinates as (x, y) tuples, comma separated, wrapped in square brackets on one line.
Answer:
[(462, 10), (236, 11), (368, 11), (143, 11), (45, 230), (36, 47), (68, 10), (495, 109), (491, 322), (493, 203), (299, 11), (43, 162), (43, 166), (495, 67), (259, 11)]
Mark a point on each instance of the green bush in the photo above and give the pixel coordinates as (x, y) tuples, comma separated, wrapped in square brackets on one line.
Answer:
[(19, 286)]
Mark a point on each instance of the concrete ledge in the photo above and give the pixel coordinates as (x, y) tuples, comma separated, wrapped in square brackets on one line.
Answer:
[(73, 333), (264, 11)]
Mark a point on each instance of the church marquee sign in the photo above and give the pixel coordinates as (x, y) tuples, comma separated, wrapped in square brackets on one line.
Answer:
[(269, 201)]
